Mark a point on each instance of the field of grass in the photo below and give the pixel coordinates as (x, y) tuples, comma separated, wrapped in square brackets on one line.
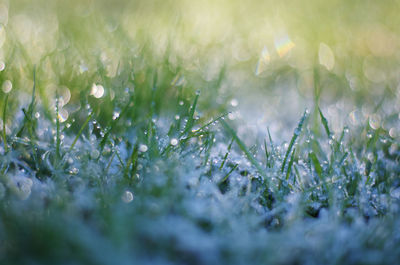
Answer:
[(199, 132)]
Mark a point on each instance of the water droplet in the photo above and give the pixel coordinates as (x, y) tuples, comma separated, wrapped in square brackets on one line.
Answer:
[(97, 91), (143, 148), (234, 102), (62, 115), (7, 86), (374, 121), (115, 115), (95, 154), (174, 141), (2, 66), (74, 171), (392, 132), (127, 196)]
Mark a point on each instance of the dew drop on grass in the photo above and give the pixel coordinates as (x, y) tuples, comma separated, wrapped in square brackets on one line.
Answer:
[(174, 141), (143, 148), (74, 171), (62, 115), (95, 154), (392, 132), (234, 102), (2, 66), (97, 91), (7, 86), (115, 115), (127, 196)]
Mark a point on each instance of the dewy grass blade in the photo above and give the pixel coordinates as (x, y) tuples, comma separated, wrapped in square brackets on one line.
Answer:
[(243, 147), (111, 126), (229, 173), (80, 131), (266, 152), (324, 123), (4, 124), (226, 155), (317, 165), (290, 164), (190, 121), (296, 134), (58, 138)]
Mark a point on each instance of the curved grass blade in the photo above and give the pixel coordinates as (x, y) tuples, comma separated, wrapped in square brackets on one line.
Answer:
[(324, 123), (80, 131)]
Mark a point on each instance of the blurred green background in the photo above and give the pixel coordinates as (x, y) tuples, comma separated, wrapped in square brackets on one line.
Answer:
[(277, 57)]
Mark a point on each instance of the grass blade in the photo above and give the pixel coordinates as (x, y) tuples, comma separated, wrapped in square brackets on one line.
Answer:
[(296, 134), (229, 173), (190, 121), (4, 124), (317, 165), (226, 155), (324, 123), (243, 147), (290, 164), (80, 131)]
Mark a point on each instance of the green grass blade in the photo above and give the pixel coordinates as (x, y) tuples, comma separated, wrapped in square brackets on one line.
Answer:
[(226, 155), (190, 121), (58, 139), (243, 147), (4, 124), (290, 164), (266, 152), (296, 134), (324, 123), (316, 163), (229, 173), (80, 131), (111, 127)]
